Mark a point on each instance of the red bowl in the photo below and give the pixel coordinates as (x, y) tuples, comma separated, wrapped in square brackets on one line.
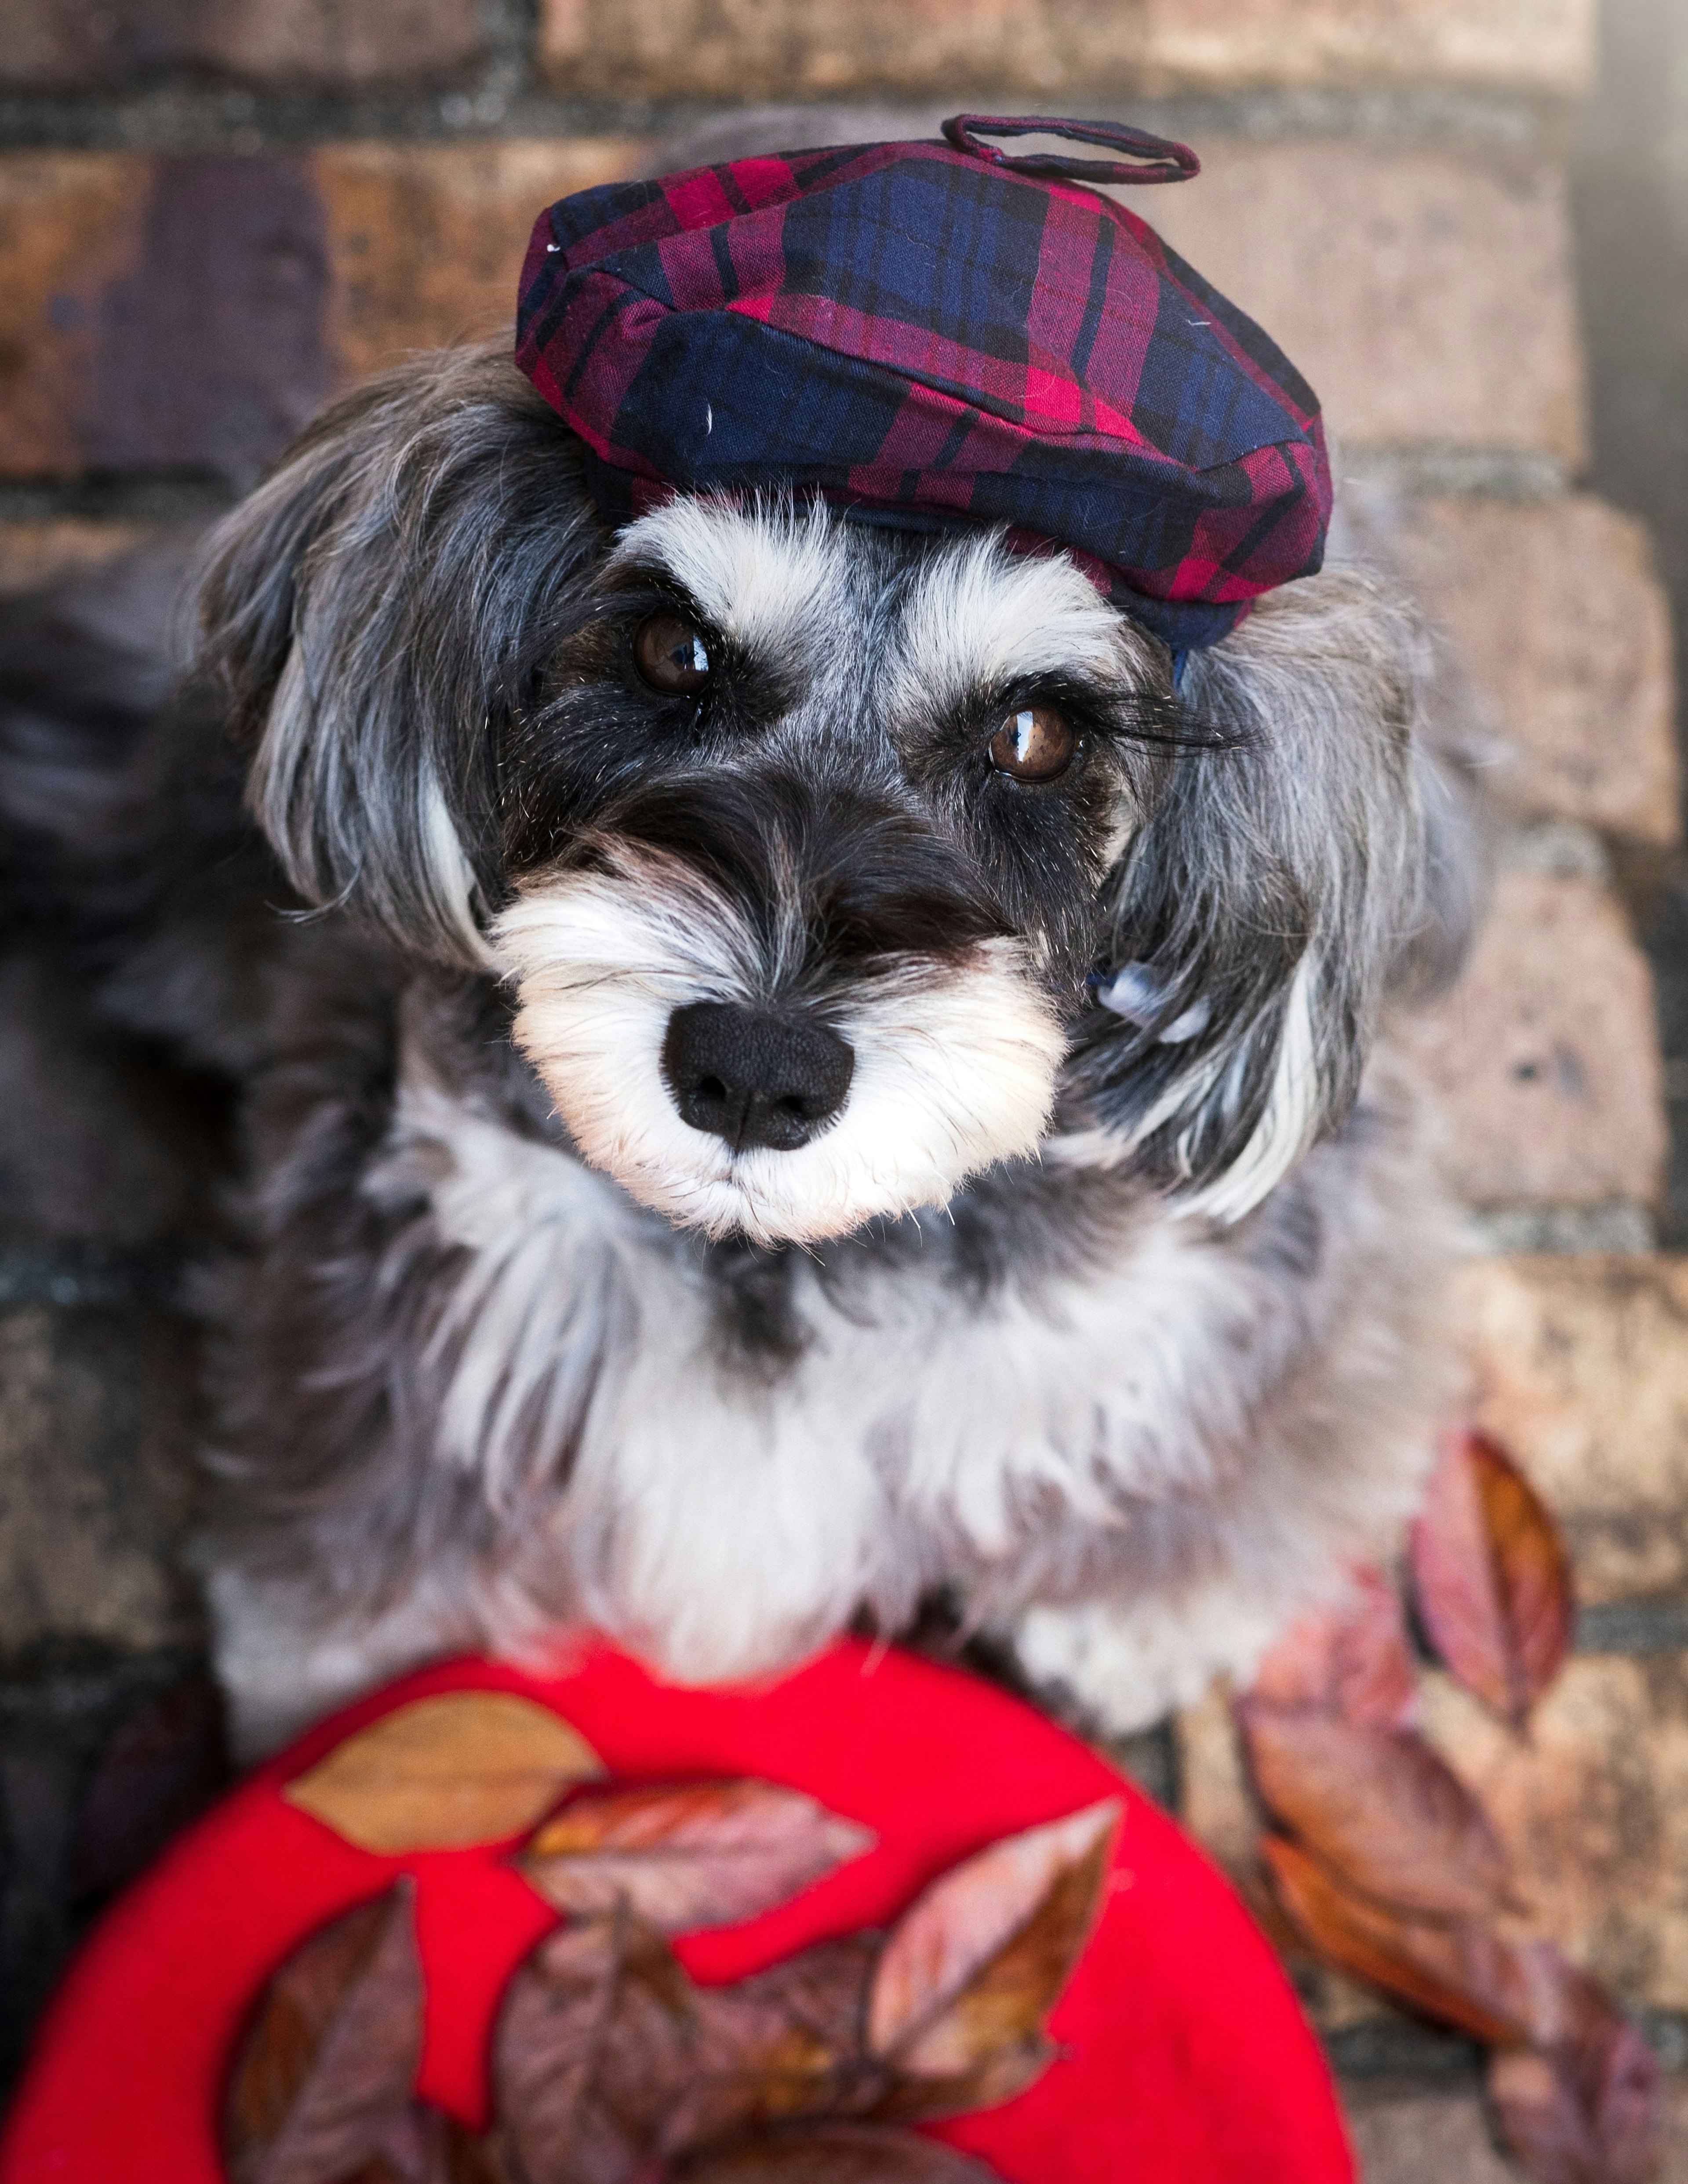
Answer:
[(1185, 2058)]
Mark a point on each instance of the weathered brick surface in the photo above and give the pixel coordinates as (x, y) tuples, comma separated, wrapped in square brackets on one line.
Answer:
[(1561, 620), (94, 1430), (46, 549), (195, 311), (425, 241), (1427, 294), (58, 45), (70, 225), (1406, 2134), (690, 49), (1545, 1060), (1593, 1809), (1580, 1369)]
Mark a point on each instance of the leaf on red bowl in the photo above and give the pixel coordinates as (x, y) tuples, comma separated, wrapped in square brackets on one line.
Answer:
[(695, 1854), (1492, 1577), (970, 1971), (322, 2085), (442, 1773), (1377, 1805), (837, 2154), (1458, 1971), (606, 2057), (1352, 1658)]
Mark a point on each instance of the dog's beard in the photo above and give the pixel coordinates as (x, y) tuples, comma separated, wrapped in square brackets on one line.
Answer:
[(955, 1068)]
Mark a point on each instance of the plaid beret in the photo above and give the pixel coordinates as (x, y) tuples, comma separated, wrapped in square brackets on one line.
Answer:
[(936, 335)]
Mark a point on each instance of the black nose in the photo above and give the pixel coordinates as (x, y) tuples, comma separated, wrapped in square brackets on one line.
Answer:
[(754, 1079)]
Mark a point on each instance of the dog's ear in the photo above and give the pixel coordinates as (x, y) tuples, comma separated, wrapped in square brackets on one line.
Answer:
[(1306, 855), (370, 612)]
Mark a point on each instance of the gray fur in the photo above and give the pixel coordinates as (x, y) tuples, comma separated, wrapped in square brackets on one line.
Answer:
[(1135, 1399)]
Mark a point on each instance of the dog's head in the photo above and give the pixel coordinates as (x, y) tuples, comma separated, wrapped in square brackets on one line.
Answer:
[(831, 865)]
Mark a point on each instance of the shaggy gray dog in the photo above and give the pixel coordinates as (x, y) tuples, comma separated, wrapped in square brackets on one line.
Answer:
[(789, 1074)]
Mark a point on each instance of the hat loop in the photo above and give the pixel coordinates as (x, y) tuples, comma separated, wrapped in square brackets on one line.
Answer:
[(1154, 159)]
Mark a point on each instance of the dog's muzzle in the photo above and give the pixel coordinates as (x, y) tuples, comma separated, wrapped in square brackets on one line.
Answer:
[(753, 1078)]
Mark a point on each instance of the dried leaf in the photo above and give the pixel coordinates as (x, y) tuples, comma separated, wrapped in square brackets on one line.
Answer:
[(699, 1854), (1492, 1578), (1352, 1659), (837, 2154), (970, 1971), (321, 2087), (1458, 1972), (461, 1768), (1587, 2105), (1379, 1805), (606, 2057)]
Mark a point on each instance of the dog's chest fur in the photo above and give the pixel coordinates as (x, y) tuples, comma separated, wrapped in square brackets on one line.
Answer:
[(530, 1402)]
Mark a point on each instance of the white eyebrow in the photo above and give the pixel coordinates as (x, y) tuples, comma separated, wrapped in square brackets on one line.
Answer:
[(980, 615), (756, 572)]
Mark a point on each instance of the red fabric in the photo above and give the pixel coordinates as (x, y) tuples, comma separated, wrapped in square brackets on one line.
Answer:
[(1186, 2059)]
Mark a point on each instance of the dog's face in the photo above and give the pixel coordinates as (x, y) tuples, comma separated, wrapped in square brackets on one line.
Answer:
[(812, 850), (807, 832)]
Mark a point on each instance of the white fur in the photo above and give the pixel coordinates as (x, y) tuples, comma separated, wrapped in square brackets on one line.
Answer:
[(760, 574), (954, 1066), (724, 1527)]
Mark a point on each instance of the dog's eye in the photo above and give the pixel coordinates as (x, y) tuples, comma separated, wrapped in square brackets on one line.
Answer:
[(671, 655), (1033, 744)]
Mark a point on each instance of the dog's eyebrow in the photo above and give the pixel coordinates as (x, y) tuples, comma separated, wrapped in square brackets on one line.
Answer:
[(761, 575), (980, 618)]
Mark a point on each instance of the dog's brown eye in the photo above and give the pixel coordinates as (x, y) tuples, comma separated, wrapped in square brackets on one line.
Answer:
[(671, 655), (1033, 744)]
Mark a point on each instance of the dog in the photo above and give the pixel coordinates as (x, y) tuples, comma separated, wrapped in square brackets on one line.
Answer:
[(793, 1076), (697, 1185)]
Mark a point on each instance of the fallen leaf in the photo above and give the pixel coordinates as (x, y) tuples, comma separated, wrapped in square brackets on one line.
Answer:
[(1492, 1577), (697, 1854), (1378, 1805), (1585, 2105), (442, 1773), (1458, 1972), (837, 2154), (606, 2057), (322, 2085), (969, 1972), (1352, 1658)]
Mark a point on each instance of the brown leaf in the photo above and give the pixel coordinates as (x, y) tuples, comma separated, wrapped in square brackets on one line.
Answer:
[(322, 2085), (970, 1971), (1379, 1805), (1587, 2105), (1352, 1659), (1492, 1578), (697, 1854), (606, 2057), (837, 2154), (1457, 1972), (461, 1768)]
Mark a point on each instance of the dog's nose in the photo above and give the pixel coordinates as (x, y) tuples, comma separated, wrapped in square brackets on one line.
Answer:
[(755, 1079)]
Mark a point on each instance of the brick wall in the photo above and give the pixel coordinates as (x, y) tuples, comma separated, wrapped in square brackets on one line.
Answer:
[(214, 211)]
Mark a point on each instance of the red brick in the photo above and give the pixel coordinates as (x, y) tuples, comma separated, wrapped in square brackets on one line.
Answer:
[(425, 241), (694, 49), (70, 224), (1428, 294), (1544, 1059), (1579, 1365), (67, 44), (1566, 629), (195, 311)]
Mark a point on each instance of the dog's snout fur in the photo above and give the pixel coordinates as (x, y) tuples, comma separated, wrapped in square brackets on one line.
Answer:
[(753, 1078)]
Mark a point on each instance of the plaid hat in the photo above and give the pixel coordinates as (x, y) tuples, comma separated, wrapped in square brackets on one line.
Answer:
[(935, 336)]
